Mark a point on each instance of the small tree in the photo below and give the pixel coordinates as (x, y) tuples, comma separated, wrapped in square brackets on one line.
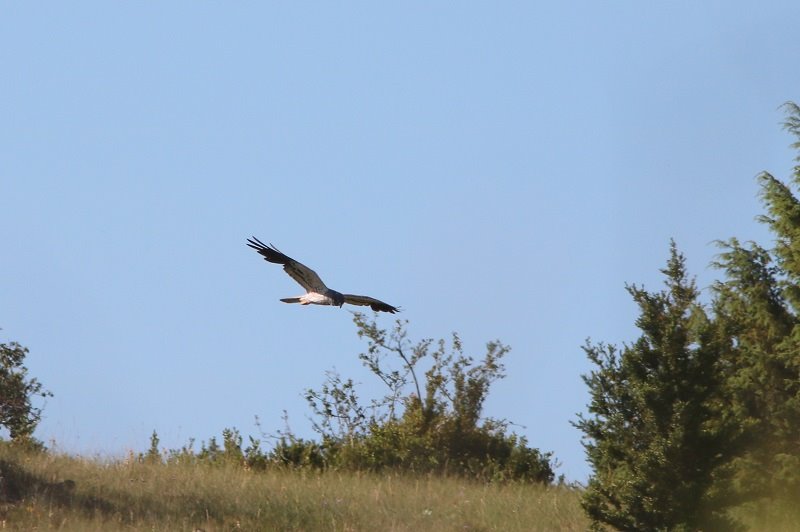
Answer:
[(17, 413), (656, 439), (153, 455)]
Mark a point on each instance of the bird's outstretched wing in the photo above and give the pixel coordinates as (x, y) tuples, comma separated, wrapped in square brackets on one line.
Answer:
[(374, 304), (301, 273)]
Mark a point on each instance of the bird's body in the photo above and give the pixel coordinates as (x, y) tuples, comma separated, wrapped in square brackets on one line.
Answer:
[(330, 297), (316, 291)]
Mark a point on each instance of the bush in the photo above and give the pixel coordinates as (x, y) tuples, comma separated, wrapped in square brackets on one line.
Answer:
[(434, 428), (428, 425), (17, 413)]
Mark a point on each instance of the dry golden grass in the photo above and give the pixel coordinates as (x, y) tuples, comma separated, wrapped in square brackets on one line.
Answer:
[(60, 492)]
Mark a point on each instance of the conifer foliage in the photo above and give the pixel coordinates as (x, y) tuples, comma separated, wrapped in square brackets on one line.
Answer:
[(654, 438), (702, 412), (759, 303)]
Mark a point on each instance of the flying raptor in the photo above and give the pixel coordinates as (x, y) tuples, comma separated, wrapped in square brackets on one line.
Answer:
[(316, 291)]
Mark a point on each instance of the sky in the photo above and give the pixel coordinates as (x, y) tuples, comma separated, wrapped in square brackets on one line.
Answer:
[(496, 169)]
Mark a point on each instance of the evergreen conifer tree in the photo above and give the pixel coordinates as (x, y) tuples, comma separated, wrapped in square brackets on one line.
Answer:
[(655, 438), (757, 306)]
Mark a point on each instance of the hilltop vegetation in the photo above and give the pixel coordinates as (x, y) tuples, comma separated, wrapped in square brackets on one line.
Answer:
[(701, 413), (694, 425), (49, 491), (420, 457)]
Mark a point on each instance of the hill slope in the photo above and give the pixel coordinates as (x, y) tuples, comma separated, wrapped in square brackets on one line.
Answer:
[(61, 492)]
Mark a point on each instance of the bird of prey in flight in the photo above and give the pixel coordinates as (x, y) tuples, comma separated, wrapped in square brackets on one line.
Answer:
[(316, 291)]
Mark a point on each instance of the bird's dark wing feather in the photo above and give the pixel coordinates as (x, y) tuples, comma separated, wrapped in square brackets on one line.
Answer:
[(374, 304), (301, 273)]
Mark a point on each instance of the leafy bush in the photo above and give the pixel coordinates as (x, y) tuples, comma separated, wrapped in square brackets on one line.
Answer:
[(17, 413), (436, 427), (442, 432)]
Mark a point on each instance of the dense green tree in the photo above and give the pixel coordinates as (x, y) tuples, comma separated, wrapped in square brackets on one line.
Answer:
[(761, 376), (703, 411), (655, 436), (757, 305), (17, 412)]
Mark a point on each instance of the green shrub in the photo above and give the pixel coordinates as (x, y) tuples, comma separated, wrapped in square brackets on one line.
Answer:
[(17, 413), (436, 427)]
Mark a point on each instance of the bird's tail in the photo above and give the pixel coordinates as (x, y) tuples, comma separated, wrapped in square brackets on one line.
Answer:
[(291, 300)]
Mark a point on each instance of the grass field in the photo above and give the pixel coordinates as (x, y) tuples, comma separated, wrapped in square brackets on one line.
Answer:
[(61, 492)]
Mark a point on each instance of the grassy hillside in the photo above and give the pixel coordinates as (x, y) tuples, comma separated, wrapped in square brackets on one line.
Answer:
[(60, 492)]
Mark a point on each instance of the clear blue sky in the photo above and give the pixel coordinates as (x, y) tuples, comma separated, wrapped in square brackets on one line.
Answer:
[(500, 170)]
